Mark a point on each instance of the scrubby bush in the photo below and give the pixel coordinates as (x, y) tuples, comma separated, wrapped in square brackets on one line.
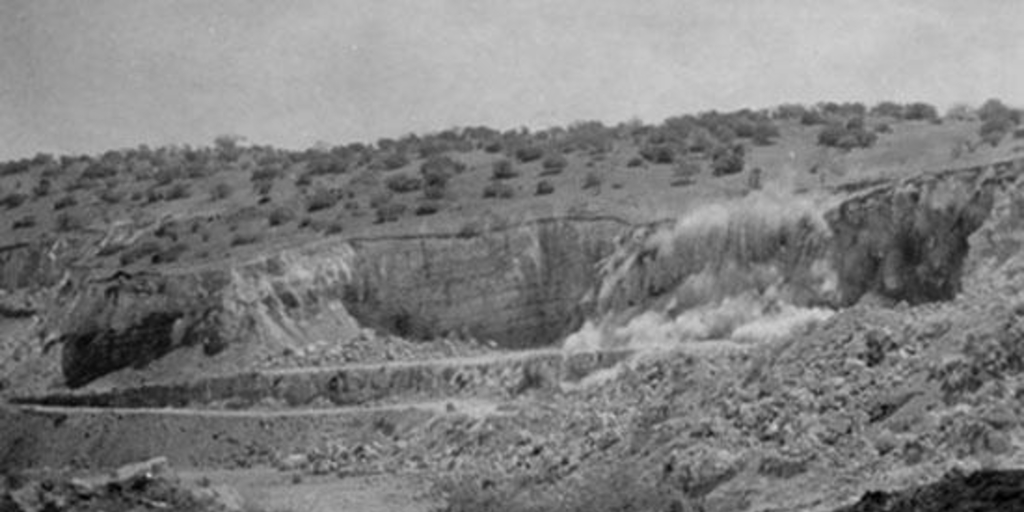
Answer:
[(304, 180), (25, 222), (888, 109), (920, 112), (220, 191), (178, 191), (427, 208), (997, 121), (493, 146), (528, 154), (725, 161), (66, 222), (334, 227), (592, 180), (544, 188), (42, 189), (327, 165), (554, 164), (167, 175), (403, 183), (390, 212), (111, 195), (470, 229), (849, 136), (268, 173), (263, 188), (13, 200), (658, 153), (321, 199), (635, 162), (764, 133), (65, 202), (280, 216), (812, 117), (245, 239), (437, 170), (154, 194), (503, 170), (395, 161), (381, 198), (499, 190), (98, 171), (754, 178)]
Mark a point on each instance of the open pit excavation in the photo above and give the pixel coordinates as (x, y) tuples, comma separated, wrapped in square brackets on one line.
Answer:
[(676, 348)]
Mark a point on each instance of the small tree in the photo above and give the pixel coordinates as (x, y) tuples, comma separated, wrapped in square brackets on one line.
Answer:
[(554, 163), (726, 161), (220, 191), (592, 180), (499, 190), (502, 170), (402, 183), (65, 202), (280, 216), (920, 112), (390, 212), (529, 153), (321, 199)]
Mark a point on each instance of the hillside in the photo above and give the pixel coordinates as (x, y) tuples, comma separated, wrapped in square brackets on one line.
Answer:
[(182, 206), (785, 309)]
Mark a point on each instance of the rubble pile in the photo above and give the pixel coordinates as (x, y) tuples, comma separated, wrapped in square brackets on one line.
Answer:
[(372, 347), (871, 399), (143, 486)]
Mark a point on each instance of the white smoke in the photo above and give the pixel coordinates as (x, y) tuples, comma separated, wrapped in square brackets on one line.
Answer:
[(727, 271)]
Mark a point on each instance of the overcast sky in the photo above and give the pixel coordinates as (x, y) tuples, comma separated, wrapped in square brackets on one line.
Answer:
[(85, 76)]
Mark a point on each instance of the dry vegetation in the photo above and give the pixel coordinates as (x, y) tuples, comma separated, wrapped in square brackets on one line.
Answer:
[(191, 204)]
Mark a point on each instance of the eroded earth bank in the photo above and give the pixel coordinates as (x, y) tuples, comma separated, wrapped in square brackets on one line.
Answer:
[(766, 353)]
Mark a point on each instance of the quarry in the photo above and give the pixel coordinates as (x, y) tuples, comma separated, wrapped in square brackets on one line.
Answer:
[(769, 351)]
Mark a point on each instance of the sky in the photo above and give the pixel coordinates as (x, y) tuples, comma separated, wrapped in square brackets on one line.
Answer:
[(80, 76)]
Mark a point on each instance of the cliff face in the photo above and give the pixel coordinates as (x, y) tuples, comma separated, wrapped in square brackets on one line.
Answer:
[(910, 242), (520, 286)]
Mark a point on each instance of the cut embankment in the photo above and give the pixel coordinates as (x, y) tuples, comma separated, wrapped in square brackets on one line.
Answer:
[(519, 286), (498, 376)]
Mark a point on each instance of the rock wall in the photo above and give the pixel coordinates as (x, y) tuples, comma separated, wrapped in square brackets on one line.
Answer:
[(520, 286), (910, 242)]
